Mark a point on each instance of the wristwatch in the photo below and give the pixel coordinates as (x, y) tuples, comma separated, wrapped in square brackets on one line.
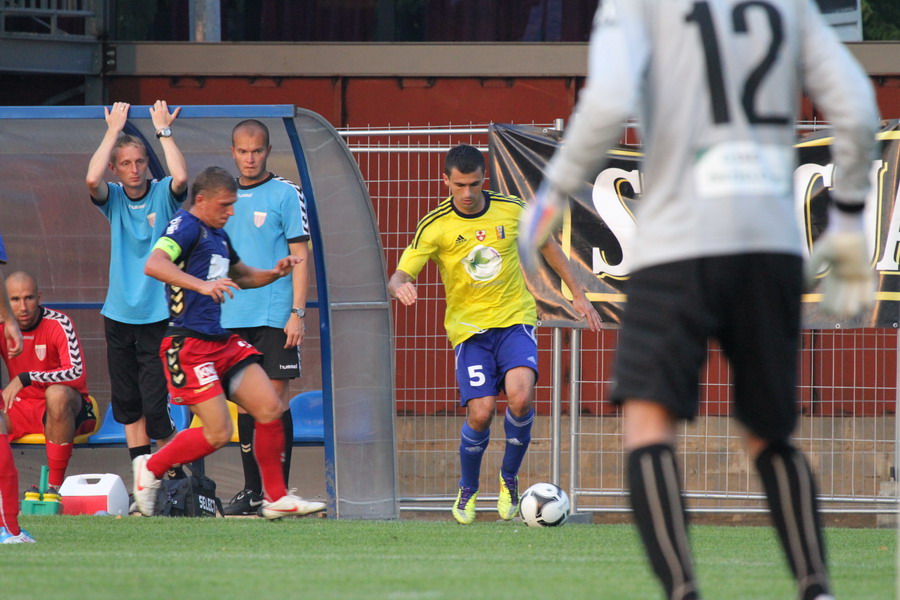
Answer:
[(300, 312), (164, 132)]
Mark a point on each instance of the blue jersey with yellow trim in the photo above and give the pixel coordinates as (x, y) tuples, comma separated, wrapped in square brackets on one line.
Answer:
[(479, 265), (206, 253)]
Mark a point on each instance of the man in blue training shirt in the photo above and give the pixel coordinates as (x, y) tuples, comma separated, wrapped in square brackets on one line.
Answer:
[(269, 222), (135, 312)]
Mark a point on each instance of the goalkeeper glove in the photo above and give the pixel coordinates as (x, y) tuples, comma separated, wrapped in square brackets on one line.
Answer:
[(849, 289), (540, 219)]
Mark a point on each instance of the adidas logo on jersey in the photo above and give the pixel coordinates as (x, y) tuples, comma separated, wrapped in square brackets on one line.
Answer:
[(460, 240)]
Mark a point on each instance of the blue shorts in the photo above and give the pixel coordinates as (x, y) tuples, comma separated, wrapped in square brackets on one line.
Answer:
[(483, 360)]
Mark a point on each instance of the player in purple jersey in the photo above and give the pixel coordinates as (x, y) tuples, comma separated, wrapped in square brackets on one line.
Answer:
[(205, 364)]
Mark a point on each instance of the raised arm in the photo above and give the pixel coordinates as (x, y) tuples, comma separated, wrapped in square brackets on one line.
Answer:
[(163, 119), (115, 121), (559, 262)]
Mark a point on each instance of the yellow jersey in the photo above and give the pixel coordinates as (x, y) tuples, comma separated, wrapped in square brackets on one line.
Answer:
[(479, 265)]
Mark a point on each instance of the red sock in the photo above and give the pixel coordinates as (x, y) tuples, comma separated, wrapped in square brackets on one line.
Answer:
[(268, 442), (9, 488), (189, 445), (58, 456)]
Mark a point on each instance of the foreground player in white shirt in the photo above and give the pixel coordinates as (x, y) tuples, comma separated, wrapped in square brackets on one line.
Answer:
[(718, 252)]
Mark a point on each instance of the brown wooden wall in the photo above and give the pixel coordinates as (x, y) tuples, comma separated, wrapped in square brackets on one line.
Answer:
[(381, 101)]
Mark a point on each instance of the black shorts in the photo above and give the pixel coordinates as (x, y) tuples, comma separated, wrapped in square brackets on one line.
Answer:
[(278, 362), (750, 303), (136, 375)]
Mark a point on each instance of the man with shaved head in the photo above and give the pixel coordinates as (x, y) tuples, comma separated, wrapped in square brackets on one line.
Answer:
[(47, 392), (269, 222)]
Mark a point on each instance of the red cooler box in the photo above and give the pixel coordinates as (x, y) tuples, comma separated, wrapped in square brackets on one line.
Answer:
[(88, 494)]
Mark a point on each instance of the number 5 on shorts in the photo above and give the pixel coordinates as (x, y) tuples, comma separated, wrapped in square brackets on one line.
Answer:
[(476, 377)]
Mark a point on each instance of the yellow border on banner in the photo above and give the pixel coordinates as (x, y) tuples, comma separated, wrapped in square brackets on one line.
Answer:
[(826, 141), (888, 296), (619, 152), (809, 298), (566, 245), (606, 297)]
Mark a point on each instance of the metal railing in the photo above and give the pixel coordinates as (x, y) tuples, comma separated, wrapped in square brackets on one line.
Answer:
[(47, 18), (580, 445)]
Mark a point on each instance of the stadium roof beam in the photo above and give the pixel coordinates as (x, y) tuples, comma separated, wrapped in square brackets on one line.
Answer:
[(323, 59), (35, 54)]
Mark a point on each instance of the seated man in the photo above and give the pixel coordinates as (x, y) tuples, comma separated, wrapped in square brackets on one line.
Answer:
[(47, 392)]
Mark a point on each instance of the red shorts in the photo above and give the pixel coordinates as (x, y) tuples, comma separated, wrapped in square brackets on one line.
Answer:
[(195, 368), (26, 415)]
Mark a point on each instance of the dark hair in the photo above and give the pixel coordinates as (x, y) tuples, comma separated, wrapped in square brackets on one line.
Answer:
[(251, 124), (213, 179), (465, 159)]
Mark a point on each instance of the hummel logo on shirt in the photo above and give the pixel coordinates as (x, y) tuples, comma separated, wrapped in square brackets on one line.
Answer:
[(460, 240)]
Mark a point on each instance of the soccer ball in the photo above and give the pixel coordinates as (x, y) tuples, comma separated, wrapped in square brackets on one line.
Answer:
[(544, 505)]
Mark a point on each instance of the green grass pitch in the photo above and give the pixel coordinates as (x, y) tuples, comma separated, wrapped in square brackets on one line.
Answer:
[(97, 558)]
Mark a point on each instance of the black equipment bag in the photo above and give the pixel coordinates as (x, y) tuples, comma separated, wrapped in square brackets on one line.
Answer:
[(193, 496)]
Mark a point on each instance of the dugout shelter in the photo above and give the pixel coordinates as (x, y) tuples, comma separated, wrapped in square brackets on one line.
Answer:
[(52, 230)]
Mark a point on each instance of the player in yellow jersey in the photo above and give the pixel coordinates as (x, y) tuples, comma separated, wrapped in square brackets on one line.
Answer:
[(490, 316)]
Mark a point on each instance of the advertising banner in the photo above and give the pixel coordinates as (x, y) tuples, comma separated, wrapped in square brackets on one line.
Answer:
[(598, 230)]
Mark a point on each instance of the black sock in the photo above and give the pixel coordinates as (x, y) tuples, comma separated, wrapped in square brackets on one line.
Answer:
[(138, 451), (791, 493), (661, 519), (287, 419), (246, 427)]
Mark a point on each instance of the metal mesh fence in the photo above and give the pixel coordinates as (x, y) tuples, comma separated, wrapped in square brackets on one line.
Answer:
[(847, 382)]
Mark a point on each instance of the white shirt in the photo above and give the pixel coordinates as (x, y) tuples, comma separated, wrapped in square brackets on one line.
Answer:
[(716, 85)]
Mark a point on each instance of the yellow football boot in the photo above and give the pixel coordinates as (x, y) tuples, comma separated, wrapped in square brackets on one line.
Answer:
[(508, 501), (464, 507)]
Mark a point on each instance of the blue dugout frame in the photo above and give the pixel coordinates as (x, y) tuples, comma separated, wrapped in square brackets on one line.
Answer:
[(286, 113)]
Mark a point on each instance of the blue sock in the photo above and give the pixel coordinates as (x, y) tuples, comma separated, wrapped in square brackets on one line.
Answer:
[(471, 450), (518, 436)]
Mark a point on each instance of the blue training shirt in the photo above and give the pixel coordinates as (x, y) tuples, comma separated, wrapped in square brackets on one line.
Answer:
[(267, 217), (135, 225), (3, 257), (206, 253)]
